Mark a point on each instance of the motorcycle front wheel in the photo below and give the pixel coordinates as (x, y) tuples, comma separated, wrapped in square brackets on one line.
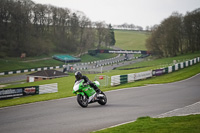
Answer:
[(82, 100)]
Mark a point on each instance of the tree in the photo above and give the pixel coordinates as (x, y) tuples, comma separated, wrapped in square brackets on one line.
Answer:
[(154, 42), (167, 39), (100, 26), (84, 24), (192, 30), (112, 36)]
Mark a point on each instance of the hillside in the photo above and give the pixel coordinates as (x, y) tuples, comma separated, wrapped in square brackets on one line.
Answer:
[(131, 40), (128, 40)]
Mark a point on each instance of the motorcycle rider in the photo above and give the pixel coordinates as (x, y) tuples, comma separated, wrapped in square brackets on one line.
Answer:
[(79, 76)]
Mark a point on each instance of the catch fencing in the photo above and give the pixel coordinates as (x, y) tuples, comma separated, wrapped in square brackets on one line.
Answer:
[(103, 79)]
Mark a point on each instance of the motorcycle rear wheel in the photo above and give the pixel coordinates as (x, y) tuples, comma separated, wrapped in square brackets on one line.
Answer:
[(103, 100), (82, 100)]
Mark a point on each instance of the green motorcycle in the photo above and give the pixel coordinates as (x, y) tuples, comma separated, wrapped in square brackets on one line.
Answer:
[(86, 94)]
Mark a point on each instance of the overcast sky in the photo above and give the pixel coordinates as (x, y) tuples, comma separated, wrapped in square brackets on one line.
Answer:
[(138, 12)]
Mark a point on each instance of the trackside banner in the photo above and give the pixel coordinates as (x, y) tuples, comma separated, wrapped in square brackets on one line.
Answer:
[(121, 79), (143, 75), (158, 72), (118, 51), (124, 52), (17, 92)]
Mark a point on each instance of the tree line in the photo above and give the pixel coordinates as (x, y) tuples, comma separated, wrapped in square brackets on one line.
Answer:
[(176, 34), (37, 29)]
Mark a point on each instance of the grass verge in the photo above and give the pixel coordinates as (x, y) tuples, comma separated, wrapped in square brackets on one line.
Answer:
[(131, 40), (176, 124)]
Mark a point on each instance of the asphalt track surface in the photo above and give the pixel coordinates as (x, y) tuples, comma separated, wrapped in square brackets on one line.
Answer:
[(66, 116)]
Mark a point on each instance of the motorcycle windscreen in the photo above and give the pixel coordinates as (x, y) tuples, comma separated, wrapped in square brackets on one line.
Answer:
[(77, 85)]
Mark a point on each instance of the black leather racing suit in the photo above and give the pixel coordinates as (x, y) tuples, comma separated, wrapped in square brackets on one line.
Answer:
[(86, 80)]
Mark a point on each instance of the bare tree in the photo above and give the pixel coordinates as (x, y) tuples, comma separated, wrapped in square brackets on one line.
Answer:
[(100, 26), (192, 30)]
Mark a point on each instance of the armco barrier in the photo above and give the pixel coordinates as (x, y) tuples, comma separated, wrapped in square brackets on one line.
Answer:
[(121, 79), (48, 88), (115, 80), (131, 77), (179, 66)]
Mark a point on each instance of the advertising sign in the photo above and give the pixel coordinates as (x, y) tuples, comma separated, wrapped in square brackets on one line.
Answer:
[(17, 92), (158, 72), (8, 93), (125, 52), (143, 75), (31, 90), (94, 52)]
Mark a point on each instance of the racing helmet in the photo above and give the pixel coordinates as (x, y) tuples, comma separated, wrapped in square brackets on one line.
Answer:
[(78, 75)]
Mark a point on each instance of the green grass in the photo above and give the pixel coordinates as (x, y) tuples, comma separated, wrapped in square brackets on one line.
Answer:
[(10, 64), (176, 124), (130, 40), (89, 58)]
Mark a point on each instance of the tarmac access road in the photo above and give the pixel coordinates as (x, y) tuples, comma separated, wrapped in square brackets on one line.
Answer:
[(10, 79), (111, 67), (66, 116)]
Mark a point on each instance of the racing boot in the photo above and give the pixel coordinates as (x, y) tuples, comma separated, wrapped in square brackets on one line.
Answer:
[(97, 89)]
